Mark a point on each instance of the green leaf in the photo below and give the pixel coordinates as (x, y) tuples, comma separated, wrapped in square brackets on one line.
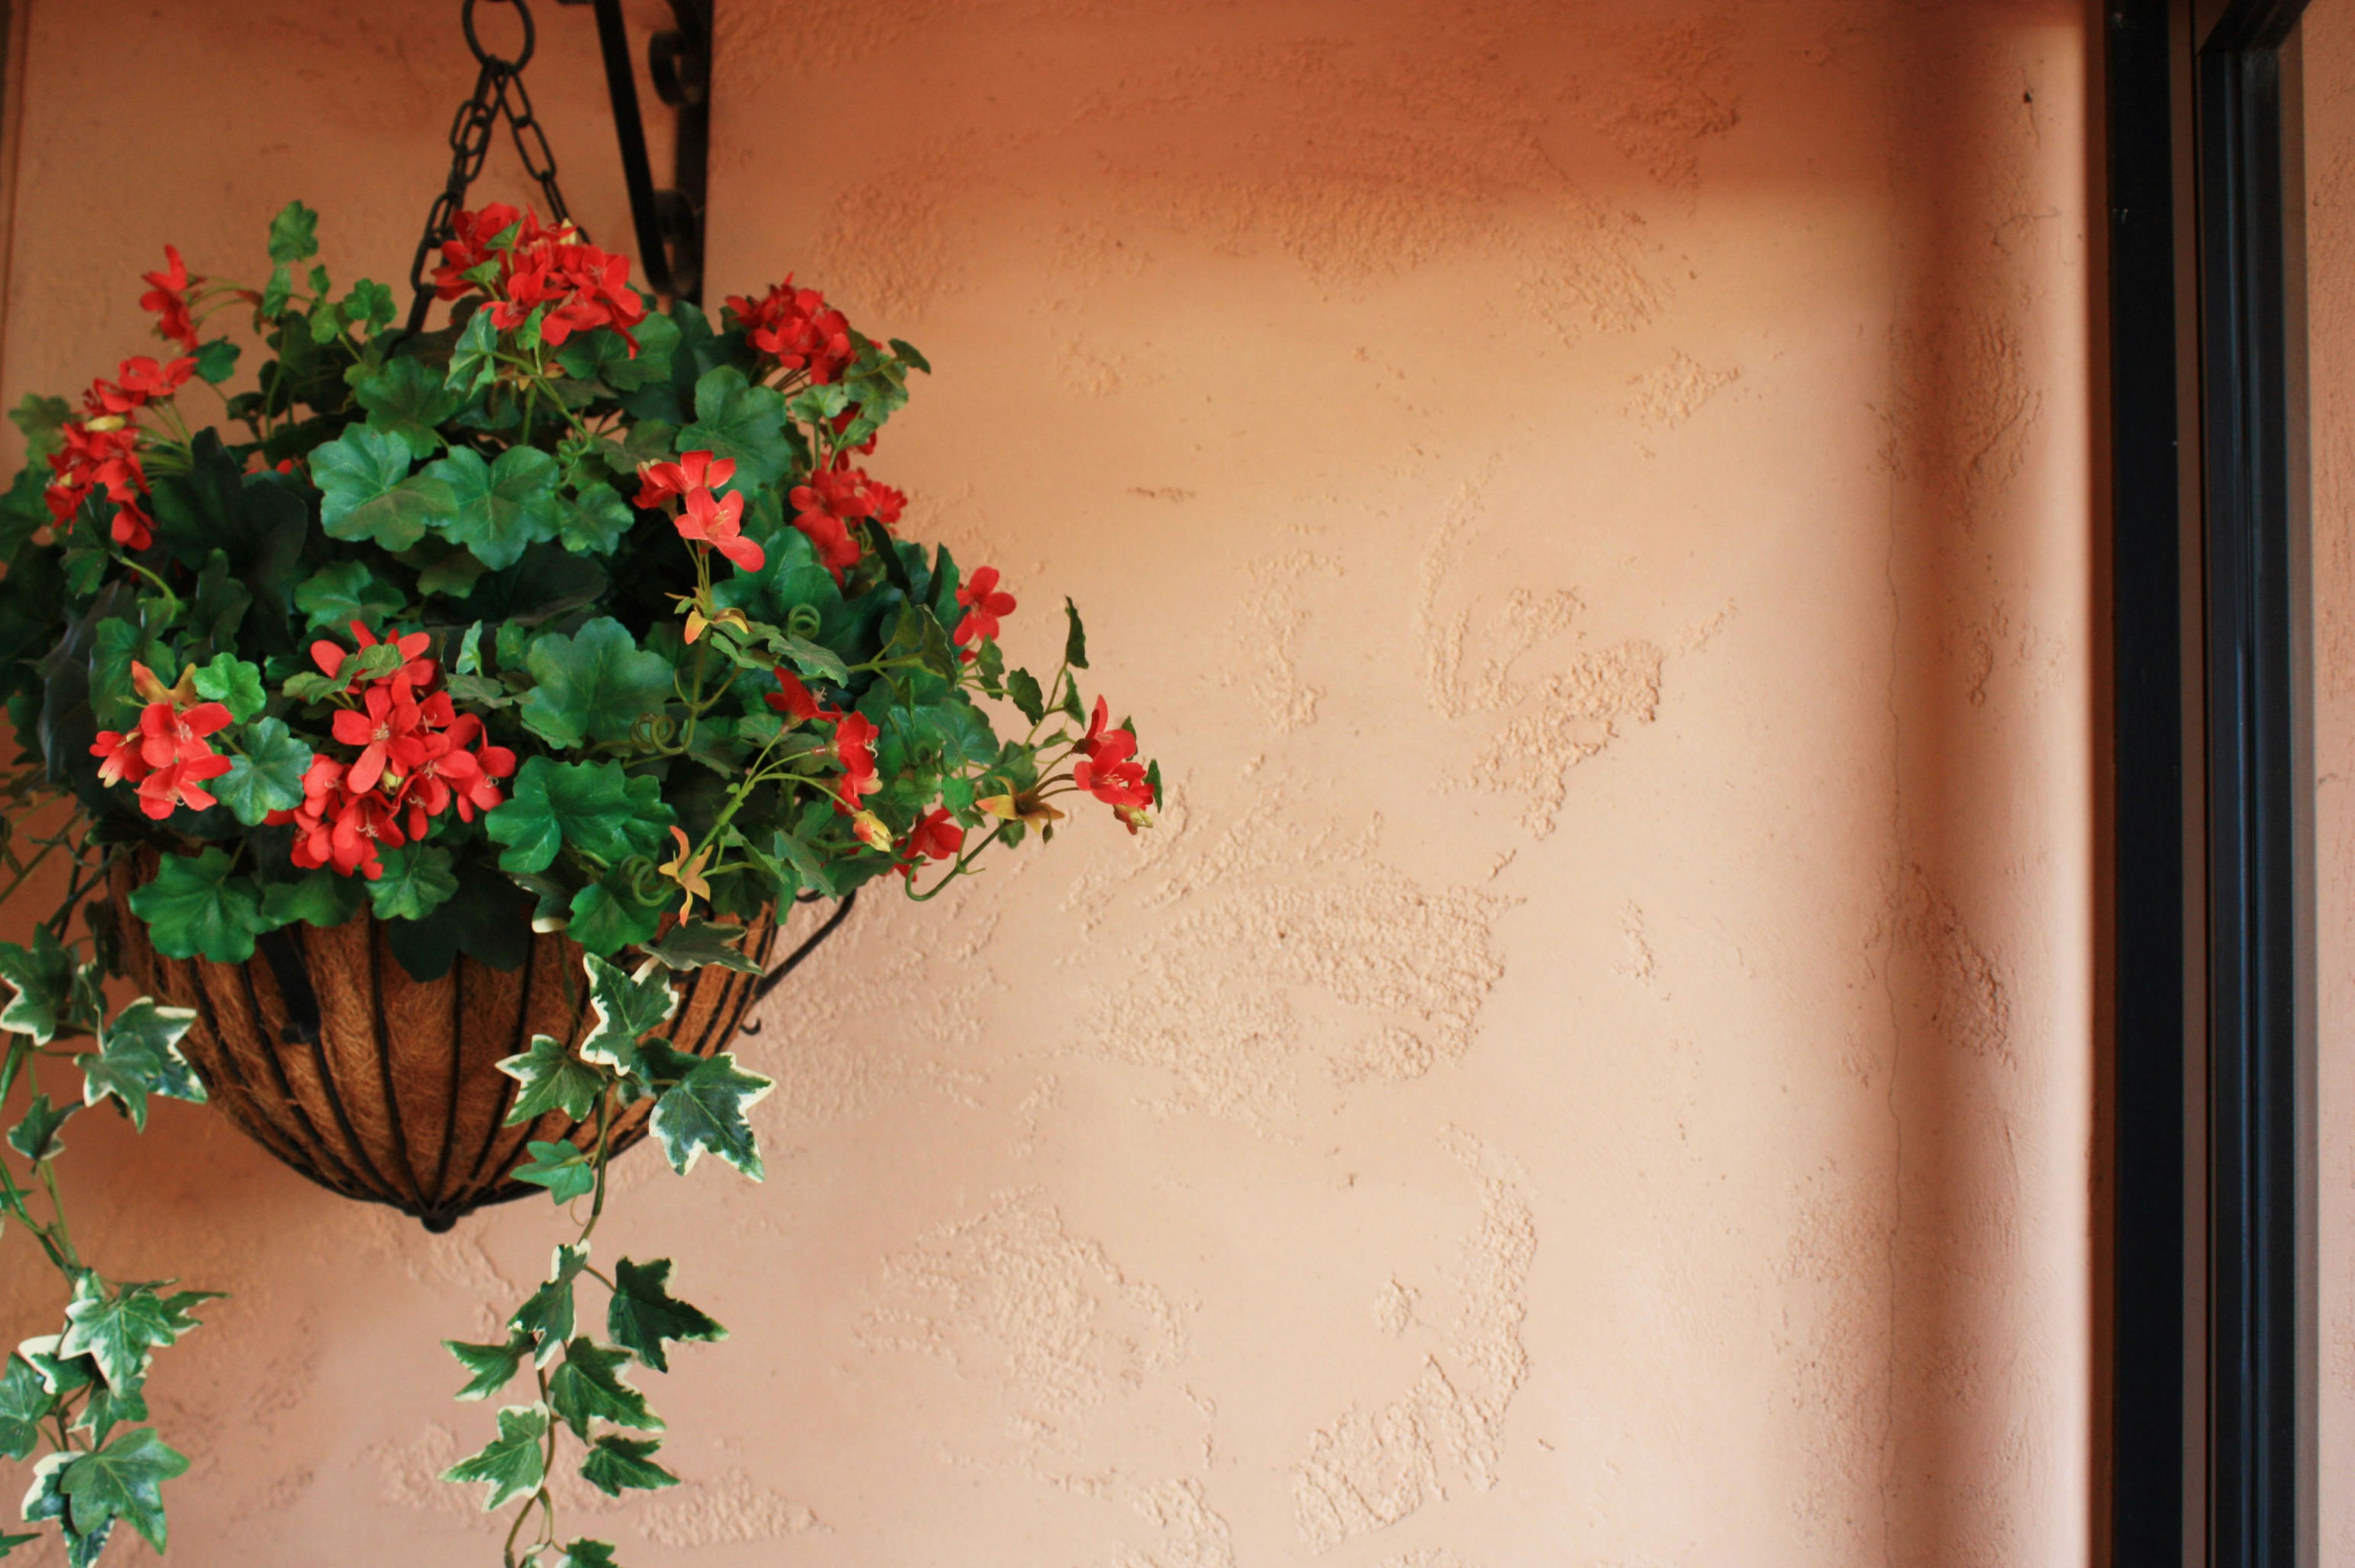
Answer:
[(619, 1464), (124, 1480), (593, 807), (915, 361), (368, 306), (605, 921), (404, 398), (109, 1408), (643, 1314), (512, 1466), (706, 1111), (593, 685), (277, 290), (417, 881), (36, 1137), (580, 1553), (470, 651), (25, 1404), (694, 944), (499, 508), (1075, 640), (814, 658), (588, 1387), (1023, 688), (338, 594), (269, 777), (43, 975), (43, 421), (1071, 704), (230, 680), (489, 1368), (116, 1331), (596, 522), (472, 364), (217, 360), (626, 1010), (366, 491), (560, 1166), (552, 1078), (319, 898), (454, 571), (195, 907), (60, 1374), (546, 1316), (294, 233), (139, 1055), (734, 419)]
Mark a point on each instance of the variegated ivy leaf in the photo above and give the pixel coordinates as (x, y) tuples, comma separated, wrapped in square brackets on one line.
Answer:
[(552, 1078), (627, 1009), (45, 1503), (36, 1137), (546, 1315), (60, 1373), (643, 1314), (588, 1387), (590, 1554), (124, 1480), (560, 1166), (25, 1404), (615, 1465), (513, 1466), (117, 1329), (490, 1367), (43, 975), (139, 1055), (705, 1109), (694, 944)]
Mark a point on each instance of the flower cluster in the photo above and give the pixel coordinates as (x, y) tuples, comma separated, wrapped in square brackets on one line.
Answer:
[(685, 490), (418, 757), (828, 508), (853, 745), (797, 328), (101, 454), (1107, 768), (524, 265), (983, 605), (168, 756), (167, 296)]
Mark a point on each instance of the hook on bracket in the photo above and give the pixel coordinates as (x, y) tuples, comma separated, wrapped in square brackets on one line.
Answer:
[(669, 220)]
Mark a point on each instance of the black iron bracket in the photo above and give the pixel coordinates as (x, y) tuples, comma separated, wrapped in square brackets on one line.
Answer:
[(669, 220)]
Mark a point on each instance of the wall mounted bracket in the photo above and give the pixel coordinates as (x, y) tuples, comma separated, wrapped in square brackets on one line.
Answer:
[(670, 219)]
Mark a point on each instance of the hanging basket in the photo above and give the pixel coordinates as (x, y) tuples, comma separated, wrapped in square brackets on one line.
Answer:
[(381, 1086)]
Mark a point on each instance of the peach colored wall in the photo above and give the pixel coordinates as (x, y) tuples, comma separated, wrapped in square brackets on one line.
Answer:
[(1589, 503)]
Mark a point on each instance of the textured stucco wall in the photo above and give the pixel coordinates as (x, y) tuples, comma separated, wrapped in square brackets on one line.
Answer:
[(1589, 503)]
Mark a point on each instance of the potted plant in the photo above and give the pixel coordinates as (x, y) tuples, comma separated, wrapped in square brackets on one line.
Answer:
[(435, 738)]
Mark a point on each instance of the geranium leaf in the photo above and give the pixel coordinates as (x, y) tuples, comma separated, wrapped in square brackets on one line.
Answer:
[(552, 1078), (43, 421), (404, 398), (560, 1166), (195, 907), (705, 1109), (36, 1137), (594, 808), (694, 944), (643, 1314), (319, 898), (627, 1009), (138, 1055), (124, 1480), (1075, 637), (489, 1368), (294, 233), (596, 523), (43, 975), (116, 1331), (734, 419), (618, 1464), (367, 493), (233, 683), (588, 1387), (604, 921), (498, 509), (513, 1466), (344, 592), (269, 777), (593, 685), (417, 881)]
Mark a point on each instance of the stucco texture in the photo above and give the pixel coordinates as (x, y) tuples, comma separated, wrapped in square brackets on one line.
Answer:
[(1589, 503)]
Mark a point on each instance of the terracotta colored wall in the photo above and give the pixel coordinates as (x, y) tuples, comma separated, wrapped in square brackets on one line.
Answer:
[(1590, 502)]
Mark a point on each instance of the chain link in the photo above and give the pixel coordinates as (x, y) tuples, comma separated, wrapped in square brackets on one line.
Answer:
[(498, 91)]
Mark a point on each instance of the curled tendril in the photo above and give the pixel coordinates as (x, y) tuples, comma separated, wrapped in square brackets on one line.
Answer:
[(644, 883), (653, 731), (804, 621)]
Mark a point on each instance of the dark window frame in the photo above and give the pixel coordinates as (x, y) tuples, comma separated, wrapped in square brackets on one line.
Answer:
[(2213, 1370)]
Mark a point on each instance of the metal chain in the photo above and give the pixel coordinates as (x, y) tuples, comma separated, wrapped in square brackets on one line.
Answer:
[(498, 91)]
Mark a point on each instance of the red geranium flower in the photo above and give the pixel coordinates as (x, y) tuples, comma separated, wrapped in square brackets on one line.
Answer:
[(168, 735), (417, 671), (121, 760), (717, 521), (661, 482), (835, 498), (854, 748), (797, 328), (386, 726), (167, 296), (983, 605), (1106, 768), (175, 785), (794, 700), (936, 837)]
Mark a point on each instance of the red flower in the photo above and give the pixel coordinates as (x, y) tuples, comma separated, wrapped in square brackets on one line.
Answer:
[(334, 826), (1107, 770), (797, 328), (176, 785), (419, 671), (141, 381), (936, 837), (835, 498), (581, 287), (660, 482), (983, 605), (854, 748), (101, 453), (386, 728), (794, 700), (120, 757), (167, 296), (168, 735)]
